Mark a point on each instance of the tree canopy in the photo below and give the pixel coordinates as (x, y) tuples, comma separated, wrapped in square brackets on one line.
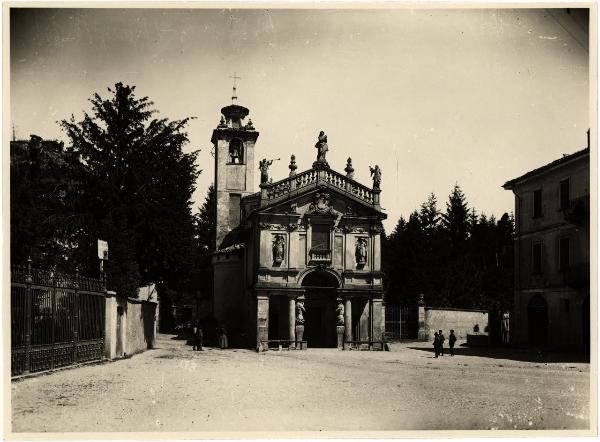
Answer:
[(124, 178), (456, 259)]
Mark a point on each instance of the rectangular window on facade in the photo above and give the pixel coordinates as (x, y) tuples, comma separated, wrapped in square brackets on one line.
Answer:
[(537, 203), (234, 210), (320, 237), (563, 254), (565, 198), (536, 265)]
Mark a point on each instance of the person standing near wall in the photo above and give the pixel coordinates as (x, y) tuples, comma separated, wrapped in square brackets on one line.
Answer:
[(451, 342), (442, 339), (436, 344), (198, 337)]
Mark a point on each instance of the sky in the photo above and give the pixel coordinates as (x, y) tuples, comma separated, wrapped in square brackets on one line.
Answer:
[(434, 97)]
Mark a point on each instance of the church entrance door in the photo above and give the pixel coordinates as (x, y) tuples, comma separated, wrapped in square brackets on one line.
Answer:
[(320, 325), (320, 320)]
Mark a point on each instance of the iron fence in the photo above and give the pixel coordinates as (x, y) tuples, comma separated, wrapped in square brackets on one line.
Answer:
[(56, 319), (401, 323)]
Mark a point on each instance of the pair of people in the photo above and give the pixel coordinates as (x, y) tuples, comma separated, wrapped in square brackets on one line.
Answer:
[(438, 343), (197, 337)]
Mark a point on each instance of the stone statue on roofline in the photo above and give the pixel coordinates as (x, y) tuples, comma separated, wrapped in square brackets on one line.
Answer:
[(322, 149), (376, 174), (263, 165)]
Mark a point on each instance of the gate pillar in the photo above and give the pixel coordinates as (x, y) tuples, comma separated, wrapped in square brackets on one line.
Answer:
[(262, 321), (110, 325), (422, 336)]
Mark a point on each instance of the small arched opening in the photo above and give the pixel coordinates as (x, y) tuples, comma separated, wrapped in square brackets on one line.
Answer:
[(236, 151)]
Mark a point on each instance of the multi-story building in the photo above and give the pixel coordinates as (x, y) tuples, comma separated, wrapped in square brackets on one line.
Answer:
[(552, 254)]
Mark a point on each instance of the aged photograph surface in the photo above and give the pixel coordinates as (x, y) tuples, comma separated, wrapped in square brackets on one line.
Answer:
[(331, 218)]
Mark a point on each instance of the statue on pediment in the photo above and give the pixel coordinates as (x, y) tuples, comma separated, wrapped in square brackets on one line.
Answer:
[(263, 165), (376, 174), (322, 147)]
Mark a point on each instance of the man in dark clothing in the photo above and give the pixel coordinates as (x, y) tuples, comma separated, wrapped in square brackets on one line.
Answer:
[(451, 342), (198, 337), (442, 339), (436, 344)]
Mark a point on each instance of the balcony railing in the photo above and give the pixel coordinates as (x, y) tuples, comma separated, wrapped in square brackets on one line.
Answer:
[(312, 176), (320, 256)]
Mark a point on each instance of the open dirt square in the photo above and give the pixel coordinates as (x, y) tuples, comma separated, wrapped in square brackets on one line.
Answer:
[(173, 388)]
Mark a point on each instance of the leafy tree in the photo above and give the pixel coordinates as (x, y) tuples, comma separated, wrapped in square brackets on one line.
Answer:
[(137, 187), (206, 222), (45, 224)]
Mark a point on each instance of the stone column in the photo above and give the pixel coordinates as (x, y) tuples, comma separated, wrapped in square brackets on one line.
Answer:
[(377, 320), (292, 319), (262, 321), (348, 319), (422, 336), (300, 321), (110, 325)]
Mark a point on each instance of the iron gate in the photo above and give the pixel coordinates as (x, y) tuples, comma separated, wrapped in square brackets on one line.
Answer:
[(56, 319), (401, 323)]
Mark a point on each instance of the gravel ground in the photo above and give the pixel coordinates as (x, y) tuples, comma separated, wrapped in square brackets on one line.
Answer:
[(172, 388)]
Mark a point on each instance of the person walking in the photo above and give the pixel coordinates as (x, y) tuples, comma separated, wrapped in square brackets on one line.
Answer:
[(198, 335), (451, 342), (436, 344), (442, 339)]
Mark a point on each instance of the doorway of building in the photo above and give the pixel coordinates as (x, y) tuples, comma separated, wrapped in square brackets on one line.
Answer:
[(320, 319), (537, 315), (320, 326)]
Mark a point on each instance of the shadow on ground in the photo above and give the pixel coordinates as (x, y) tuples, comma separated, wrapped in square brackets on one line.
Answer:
[(523, 355)]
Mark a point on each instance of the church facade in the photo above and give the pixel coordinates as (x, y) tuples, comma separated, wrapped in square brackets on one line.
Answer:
[(299, 260)]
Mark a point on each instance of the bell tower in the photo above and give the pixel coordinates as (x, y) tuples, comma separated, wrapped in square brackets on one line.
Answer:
[(234, 165)]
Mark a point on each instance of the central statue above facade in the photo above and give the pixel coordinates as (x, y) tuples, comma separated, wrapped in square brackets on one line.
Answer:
[(322, 149)]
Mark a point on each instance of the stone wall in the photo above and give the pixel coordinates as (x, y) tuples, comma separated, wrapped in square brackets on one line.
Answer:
[(446, 319), (130, 326)]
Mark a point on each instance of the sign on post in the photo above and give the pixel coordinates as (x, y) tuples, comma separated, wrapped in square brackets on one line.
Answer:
[(102, 250)]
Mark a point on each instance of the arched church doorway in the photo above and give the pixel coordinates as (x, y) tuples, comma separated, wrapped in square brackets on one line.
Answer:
[(320, 304), (537, 315)]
